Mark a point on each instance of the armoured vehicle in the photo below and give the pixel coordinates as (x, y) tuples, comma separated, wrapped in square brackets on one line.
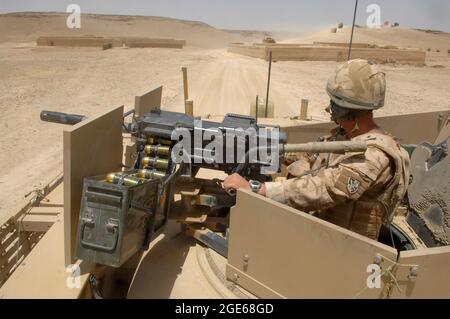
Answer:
[(130, 221)]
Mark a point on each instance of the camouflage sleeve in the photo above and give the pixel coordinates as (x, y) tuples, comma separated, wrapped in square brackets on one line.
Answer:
[(301, 164), (347, 180)]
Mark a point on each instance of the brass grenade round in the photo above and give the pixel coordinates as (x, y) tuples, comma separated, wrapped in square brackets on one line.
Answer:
[(157, 150), (155, 162), (113, 178), (131, 180), (156, 140), (150, 174)]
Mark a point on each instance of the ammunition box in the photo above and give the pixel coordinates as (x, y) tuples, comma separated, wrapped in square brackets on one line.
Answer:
[(116, 221)]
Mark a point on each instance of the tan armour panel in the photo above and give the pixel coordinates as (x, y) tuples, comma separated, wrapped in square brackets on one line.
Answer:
[(145, 103), (278, 252), (430, 279), (404, 127), (92, 147)]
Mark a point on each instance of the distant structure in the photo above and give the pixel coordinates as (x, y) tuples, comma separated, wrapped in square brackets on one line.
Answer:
[(269, 40), (109, 42), (329, 51)]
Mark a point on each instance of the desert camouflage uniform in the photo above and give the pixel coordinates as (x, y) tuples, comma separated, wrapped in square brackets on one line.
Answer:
[(357, 191)]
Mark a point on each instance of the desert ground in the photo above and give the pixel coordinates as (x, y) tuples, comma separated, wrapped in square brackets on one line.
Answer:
[(89, 80)]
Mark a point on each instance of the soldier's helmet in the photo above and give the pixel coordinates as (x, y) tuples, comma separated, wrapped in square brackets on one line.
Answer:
[(357, 85)]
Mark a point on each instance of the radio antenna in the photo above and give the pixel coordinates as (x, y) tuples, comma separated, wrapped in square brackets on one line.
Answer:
[(266, 113), (353, 30)]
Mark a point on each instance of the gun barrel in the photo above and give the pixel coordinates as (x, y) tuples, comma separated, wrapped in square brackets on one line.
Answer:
[(61, 118), (325, 147)]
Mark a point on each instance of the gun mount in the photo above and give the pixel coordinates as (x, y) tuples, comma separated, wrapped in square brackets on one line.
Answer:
[(122, 211)]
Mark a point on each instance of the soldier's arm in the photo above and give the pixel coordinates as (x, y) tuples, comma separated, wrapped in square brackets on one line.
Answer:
[(347, 180), (298, 163), (301, 163)]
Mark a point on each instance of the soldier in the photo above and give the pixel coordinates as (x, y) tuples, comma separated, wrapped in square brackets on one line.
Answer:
[(357, 191)]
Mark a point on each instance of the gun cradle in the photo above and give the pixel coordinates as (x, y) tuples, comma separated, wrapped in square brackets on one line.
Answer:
[(198, 202), (122, 211)]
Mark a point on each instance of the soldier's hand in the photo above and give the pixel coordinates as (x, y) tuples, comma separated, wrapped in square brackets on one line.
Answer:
[(290, 158), (234, 182)]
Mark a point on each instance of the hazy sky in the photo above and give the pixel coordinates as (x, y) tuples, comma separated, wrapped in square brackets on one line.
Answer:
[(272, 15)]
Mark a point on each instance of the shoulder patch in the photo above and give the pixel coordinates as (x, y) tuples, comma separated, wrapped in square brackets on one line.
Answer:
[(353, 185)]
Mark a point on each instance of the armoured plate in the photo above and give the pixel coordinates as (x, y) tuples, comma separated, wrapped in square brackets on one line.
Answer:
[(429, 194)]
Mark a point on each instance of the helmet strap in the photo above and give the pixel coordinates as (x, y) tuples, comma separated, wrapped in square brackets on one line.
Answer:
[(339, 113), (356, 127)]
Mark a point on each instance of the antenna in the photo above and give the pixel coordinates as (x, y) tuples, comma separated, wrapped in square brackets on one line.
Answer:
[(268, 84), (353, 30), (257, 106)]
